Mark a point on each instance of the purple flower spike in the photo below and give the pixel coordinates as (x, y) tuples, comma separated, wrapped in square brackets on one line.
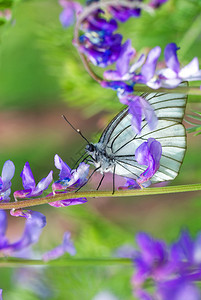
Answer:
[(149, 154), (1, 297), (5, 180), (173, 271), (30, 187), (66, 246), (71, 8)]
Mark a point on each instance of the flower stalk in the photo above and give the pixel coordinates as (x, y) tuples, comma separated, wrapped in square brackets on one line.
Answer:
[(17, 262), (102, 194)]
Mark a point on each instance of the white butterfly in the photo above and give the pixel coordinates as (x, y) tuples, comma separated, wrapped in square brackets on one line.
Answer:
[(115, 151)]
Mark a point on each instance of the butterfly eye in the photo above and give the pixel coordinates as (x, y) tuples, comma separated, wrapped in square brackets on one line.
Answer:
[(90, 148)]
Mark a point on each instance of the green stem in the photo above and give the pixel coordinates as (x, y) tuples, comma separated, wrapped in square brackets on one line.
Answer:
[(99, 194), (190, 90), (15, 262)]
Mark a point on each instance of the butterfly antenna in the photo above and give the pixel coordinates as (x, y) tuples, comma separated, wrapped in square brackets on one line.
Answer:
[(77, 130)]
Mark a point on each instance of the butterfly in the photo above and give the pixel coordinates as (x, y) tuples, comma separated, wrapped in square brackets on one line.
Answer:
[(115, 150)]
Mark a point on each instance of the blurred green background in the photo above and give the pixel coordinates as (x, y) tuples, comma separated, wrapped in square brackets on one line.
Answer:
[(42, 78)]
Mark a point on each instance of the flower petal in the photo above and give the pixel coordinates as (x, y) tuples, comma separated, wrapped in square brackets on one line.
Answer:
[(148, 153), (123, 61), (171, 59), (65, 170), (157, 3), (149, 67), (137, 64), (79, 176), (7, 172), (149, 113), (3, 223), (190, 69), (66, 246), (135, 110), (27, 177), (34, 224), (68, 202), (42, 185), (66, 17)]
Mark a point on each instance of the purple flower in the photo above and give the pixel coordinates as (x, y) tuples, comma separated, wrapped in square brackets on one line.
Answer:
[(178, 289), (66, 246), (147, 75), (30, 187), (101, 46), (1, 291), (35, 221), (102, 58), (157, 3), (149, 154), (96, 23), (122, 63), (129, 185), (123, 13), (121, 87), (132, 184), (71, 8), (5, 180), (173, 270), (69, 180), (173, 75)]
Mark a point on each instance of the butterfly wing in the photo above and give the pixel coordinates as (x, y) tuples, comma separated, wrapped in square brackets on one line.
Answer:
[(120, 141)]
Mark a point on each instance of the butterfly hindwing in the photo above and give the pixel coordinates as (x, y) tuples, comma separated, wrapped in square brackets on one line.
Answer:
[(121, 142)]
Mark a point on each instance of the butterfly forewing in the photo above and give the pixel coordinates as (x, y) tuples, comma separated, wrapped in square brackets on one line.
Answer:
[(120, 141)]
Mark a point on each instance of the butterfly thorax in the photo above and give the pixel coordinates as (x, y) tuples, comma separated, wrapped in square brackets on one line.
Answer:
[(100, 158)]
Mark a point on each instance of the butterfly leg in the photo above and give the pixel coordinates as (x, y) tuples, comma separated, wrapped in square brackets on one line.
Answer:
[(88, 179), (100, 182), (75, 164), (113, 187)]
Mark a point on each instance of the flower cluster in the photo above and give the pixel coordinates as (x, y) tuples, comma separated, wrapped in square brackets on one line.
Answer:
[(35, 221), (174, 270), (70, 180)]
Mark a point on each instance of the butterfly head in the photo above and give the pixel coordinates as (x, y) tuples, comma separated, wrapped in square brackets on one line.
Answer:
[(90, 148)]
